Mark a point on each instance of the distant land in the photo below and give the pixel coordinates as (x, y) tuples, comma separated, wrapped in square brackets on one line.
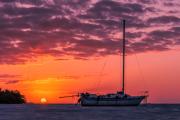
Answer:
[(11, 97)]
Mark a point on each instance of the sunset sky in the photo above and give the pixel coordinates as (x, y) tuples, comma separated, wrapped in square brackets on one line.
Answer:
[(52, 48)]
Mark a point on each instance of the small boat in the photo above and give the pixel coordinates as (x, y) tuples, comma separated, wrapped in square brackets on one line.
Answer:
[(116, 99), (113, 99)]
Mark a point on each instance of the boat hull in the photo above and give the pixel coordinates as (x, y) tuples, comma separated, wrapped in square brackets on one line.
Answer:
[(130, 101)]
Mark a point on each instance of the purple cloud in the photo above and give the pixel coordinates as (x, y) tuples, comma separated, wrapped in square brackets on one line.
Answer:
[(164, 20), (82, 28), (9, 78), (12, 82)]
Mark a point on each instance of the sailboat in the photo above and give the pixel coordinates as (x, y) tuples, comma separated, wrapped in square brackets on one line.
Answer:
[(114, 99)]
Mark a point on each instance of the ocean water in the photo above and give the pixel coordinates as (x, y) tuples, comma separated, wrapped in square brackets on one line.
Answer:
[(76, 112)]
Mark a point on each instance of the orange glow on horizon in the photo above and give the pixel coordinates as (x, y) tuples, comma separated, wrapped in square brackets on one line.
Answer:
[(51, 78)]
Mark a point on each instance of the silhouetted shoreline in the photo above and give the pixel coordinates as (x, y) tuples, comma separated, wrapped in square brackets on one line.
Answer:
[(11, 97)]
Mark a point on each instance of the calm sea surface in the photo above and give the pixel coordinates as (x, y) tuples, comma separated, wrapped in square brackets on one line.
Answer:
[(76, 112)]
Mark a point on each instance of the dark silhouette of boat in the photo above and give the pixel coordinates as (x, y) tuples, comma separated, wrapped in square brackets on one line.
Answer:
[(114, 99)]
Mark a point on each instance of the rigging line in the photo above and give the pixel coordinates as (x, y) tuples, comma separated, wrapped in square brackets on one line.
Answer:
[(140, 69), (100, 75), (138, 64)]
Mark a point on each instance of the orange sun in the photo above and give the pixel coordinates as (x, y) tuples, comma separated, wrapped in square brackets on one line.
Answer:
[(43, 100)]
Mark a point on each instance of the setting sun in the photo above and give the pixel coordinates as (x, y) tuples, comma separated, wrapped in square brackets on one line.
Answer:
[(43, 100)]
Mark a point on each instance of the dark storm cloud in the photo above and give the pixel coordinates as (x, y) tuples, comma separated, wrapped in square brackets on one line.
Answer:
[(79, 28)]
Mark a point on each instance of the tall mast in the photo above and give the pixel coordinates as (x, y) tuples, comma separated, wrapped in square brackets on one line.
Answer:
[(123, 59)]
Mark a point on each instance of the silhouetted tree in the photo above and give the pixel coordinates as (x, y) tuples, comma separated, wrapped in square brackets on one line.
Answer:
[(11, 97)]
